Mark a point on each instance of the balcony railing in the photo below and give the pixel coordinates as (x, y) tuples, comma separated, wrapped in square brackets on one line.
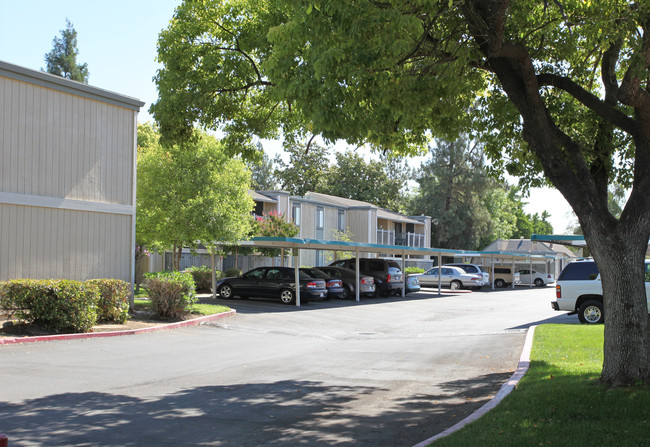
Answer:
[(389, 237)]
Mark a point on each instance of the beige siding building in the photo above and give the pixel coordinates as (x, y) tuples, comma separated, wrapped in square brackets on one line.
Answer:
[(67, 178), (321, 216)]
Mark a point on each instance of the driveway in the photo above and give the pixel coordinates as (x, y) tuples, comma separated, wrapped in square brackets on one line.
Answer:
[(384, 372)]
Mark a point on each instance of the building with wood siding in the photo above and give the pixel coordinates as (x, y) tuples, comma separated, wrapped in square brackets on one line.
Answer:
[(67, 178)]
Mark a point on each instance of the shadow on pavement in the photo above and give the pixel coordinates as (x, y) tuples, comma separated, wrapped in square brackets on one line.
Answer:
[(285, 413)]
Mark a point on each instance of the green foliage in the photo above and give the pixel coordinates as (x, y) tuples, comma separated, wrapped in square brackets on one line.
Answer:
[(343, 236), (452, 187), (202, 277), (62, 60), (60, 306), (172, 294), (232, 273), (380, 182), (306, 170), (113, 303), (274, 225), (412, 270), (263, 174), (190, 193)]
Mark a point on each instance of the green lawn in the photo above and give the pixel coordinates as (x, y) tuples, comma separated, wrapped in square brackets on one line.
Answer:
[(560, 401)]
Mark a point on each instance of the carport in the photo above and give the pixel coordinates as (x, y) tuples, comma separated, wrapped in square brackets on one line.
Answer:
[(296, 244)]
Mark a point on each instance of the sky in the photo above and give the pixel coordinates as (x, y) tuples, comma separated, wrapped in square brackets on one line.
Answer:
[(117, 40)]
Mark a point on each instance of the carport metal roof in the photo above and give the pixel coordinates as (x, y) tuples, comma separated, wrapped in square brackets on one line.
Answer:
[(562, 239), (361, 247)]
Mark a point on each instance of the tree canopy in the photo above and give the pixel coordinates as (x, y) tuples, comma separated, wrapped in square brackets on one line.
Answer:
[(190, 193), (558, 92), (62, 59)]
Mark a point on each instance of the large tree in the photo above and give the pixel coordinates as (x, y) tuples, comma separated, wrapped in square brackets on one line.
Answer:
[(190, 193), (558, 90), (62, 59), (452, 188), (380, 182)]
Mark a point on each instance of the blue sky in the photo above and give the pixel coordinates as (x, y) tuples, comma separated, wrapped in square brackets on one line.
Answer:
[(117, 40)]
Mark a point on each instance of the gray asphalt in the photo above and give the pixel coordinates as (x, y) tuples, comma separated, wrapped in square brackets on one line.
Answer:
[(385, 372)]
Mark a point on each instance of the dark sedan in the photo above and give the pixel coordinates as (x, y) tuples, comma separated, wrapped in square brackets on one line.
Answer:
[(334, 285), (349, 278), (272, 282)]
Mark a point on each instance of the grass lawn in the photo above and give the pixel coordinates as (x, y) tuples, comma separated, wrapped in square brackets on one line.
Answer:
[(199, 309), (560, 402)]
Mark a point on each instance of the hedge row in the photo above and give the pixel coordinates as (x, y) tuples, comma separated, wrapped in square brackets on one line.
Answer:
[(203, 277), (64, 306)]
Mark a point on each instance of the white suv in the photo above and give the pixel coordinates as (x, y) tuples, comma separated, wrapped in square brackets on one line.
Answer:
[(579, 290)]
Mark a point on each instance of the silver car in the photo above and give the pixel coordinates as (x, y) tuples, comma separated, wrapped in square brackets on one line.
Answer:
[(452, 277)]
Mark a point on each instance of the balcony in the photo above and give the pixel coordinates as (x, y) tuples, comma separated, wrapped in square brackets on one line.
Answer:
[(389, 237)]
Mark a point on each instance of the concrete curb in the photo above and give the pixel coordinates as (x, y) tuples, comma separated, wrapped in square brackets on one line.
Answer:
[(506, 388), (162, 327)]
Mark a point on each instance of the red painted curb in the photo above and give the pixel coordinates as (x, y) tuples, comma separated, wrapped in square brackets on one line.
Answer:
[(162, 327)]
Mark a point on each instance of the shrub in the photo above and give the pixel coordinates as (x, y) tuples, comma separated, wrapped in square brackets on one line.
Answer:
[(55, 305), (202, 277), (172, 294), (113, 304), (412, 270), (233, 272)]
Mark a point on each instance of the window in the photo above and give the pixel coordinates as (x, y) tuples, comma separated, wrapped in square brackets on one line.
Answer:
[(341, 221), (295, 214), (579, 271), (320, 218)]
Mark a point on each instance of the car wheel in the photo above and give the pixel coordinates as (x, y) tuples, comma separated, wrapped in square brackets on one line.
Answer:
[(499, 283), (539, 282), (287, 296), (455, 285), (347, 293), (591, 312), (225, 291)]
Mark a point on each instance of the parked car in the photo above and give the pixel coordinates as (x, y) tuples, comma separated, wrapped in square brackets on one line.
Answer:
[(538, 278), (452, 277), (387, 274), (504, 275), (412, 284), (349, 278), (272, 282), (334, 285), (579, 290), (473, 269)]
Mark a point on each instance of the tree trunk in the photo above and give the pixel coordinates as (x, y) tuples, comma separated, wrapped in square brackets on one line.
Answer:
[(622, 269)]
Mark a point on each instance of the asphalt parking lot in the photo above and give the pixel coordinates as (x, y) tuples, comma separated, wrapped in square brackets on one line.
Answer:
[(383, 372)]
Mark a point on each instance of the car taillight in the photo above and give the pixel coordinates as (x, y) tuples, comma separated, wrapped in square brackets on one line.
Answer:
[(549, 276), (315, 285), (388, 278), (558, 292), (334, 283), (367, 280), (477, 278)]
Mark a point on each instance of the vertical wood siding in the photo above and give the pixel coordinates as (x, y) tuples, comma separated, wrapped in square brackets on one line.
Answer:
[(65, 146), (60, 145), (48, 243)]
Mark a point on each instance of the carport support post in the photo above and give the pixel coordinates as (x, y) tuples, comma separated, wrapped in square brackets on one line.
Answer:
[(296, 269), (356, 270), (214, 275), (530, 270), (492, 265), (439, 275), (513, 273), (403, 274)]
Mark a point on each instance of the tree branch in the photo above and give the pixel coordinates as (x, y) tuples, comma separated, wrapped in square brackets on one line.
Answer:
[(589, 100)]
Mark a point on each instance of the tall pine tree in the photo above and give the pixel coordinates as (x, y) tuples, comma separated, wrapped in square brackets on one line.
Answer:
[(62, 60)]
